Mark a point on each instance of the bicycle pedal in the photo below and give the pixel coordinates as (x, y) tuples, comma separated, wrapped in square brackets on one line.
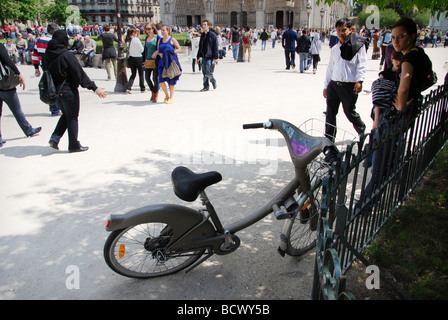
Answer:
[(229, 243), (281, 215)]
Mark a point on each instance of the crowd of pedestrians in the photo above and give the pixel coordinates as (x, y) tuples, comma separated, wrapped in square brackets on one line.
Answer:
[(151, 54)]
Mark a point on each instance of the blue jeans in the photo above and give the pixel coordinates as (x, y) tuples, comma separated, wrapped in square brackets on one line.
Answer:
[(235, 47), (12, 100), (208, 73), (88, 57), (263, 45), (303, 63), (434, 41)]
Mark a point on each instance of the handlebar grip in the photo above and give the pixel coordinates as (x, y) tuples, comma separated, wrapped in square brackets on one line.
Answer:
[(266, 125), (253, 125)]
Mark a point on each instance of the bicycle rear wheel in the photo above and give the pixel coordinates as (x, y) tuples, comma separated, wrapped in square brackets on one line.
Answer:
[(140, 251)]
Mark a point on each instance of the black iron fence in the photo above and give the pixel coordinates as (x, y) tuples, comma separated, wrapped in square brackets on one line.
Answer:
[(369, 181)]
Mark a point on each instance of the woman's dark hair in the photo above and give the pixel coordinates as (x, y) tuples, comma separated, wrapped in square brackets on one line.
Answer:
[(129, 34), (342, 22), (408, 24)]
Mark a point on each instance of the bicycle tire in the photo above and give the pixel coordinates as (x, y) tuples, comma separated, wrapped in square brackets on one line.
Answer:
[(139, 251), (300, 231)]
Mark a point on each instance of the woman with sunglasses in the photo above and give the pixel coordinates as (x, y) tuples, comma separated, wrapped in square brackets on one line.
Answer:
[(149, 62)]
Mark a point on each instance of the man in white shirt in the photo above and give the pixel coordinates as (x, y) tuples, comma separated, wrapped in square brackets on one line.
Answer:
[(345, 74)]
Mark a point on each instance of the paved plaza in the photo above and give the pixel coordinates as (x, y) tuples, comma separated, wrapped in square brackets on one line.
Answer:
[(53, 204)]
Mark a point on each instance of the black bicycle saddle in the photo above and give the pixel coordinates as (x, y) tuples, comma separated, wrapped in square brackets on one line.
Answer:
[(188, 185)]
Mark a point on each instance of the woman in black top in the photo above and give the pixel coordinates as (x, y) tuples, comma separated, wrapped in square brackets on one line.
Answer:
[(12, 98), (415, 65), (67, 75)]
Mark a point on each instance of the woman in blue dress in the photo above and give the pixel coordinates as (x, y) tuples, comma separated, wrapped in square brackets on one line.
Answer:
[(167, 47)]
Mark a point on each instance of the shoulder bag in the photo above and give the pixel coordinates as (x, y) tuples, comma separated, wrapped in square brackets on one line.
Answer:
[(172, 71), (8, 78)]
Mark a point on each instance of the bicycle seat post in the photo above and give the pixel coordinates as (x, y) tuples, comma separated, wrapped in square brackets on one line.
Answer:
[(211, 210)]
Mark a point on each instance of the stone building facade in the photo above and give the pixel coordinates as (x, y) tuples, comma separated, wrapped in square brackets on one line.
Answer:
[(132, 11), (253, 13)]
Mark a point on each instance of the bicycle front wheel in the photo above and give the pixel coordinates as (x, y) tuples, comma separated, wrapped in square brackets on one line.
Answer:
[(300, 231), (140, 251)]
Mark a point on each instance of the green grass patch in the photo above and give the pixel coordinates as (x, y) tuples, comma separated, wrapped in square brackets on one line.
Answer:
[(413, 245)]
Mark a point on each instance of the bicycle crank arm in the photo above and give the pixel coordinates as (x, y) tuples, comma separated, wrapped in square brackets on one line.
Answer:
[(221, 244)]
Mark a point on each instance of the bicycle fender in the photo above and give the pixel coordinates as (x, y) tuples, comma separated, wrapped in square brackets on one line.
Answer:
[(190, 225), (178, 216)]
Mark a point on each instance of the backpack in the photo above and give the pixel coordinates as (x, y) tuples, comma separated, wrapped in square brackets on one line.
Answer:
[(246, 40), (47, 90)]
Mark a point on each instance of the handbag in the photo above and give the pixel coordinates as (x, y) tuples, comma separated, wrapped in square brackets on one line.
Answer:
[(8, 78), (150, 64), (172, 71)]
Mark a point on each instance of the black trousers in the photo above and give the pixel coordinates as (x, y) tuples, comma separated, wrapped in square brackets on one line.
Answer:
[(290, 56), (69, 102), (135, 64), (337, 93)]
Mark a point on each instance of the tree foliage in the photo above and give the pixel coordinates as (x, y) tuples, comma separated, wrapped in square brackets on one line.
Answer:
[(58, 11), (20, 10), (436, 7)]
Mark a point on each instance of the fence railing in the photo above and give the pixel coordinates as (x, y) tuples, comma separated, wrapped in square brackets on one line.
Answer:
[(358, 199)]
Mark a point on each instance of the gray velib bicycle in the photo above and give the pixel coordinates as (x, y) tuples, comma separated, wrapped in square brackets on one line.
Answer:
[(158, 240)]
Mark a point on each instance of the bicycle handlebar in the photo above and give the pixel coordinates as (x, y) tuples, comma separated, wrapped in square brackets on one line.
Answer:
[(266, 125), (303, 148)]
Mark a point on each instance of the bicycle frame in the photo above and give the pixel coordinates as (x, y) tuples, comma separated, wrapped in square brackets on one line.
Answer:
[(202, 229)]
